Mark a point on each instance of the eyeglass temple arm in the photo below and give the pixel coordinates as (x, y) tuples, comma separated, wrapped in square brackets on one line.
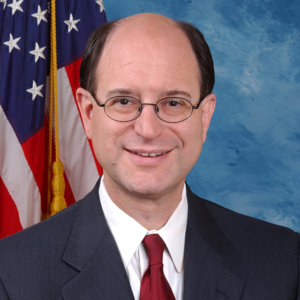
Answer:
[(198, 105), (100, 105)]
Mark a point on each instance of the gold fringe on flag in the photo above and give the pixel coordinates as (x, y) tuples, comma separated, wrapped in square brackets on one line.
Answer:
[(56, 199)]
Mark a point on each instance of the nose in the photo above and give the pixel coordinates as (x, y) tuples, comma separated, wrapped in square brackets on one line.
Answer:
[(148, 125)]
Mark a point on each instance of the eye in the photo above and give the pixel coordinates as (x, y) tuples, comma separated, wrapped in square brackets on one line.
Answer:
[(173, 103), (122, 101)]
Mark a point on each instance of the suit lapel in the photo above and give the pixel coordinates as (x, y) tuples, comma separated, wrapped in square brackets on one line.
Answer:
[(92, 251), (211, 263)]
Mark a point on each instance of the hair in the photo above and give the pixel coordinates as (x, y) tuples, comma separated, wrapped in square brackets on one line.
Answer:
[(203, 55), (96, 43), (92, 54)]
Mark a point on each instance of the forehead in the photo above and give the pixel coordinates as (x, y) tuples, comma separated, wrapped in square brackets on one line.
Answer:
[(148, 49)]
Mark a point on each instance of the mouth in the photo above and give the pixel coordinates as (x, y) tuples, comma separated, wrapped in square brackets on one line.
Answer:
[(149, 154)]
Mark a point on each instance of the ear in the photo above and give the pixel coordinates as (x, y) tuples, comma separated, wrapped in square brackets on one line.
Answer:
[(208, 107), (85, 104)]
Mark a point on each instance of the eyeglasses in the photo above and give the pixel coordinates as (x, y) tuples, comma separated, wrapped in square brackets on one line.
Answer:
[(126, 108)]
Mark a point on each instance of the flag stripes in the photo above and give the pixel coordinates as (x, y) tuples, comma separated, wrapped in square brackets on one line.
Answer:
[(75, 152), (16, 173), (9, 221), (24, 92)]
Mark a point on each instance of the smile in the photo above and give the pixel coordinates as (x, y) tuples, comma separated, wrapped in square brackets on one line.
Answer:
[(149, 154)]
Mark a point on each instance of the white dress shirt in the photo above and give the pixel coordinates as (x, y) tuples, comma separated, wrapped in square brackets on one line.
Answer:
[(129, 234)]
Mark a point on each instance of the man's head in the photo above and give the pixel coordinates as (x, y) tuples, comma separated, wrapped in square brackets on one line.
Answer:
[(147, 57), (98, 38)]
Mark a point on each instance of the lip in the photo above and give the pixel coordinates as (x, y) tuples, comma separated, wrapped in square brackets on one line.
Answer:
[(148, 157), (148, 153)]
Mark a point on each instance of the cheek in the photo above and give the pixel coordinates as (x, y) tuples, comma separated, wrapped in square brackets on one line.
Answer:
[(106, 138), (193, 132), (100, 136), (192, 139)]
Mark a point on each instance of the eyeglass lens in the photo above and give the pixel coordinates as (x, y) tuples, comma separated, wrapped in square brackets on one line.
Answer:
[(123, 109)]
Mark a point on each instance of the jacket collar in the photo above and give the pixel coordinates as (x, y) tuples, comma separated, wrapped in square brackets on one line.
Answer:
[(212, 269), (92, 251)]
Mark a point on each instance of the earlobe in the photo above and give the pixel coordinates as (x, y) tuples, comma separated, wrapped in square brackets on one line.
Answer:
[(85, 105), (208, 107)]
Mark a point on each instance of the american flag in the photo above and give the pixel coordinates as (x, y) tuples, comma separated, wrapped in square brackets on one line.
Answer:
[(24, 69)]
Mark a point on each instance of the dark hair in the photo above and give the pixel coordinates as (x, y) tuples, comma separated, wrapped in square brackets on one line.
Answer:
[(203, 55), (92, 54), (97, 41)]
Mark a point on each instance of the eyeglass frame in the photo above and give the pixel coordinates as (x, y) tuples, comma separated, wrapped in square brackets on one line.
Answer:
[(152, 104)]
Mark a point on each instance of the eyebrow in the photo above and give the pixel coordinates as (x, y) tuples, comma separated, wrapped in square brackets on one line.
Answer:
[(174, 93), (119, 92), (178, 93)]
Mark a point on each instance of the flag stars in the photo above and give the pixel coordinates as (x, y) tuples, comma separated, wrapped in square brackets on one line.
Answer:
[(16, 5), (4, 3), (71, 23), (100, 3), (38, 52), (40, 15), (12, 43), (35, 90)]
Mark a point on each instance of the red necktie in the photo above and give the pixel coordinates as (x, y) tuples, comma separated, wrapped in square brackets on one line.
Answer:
[(154, 285)]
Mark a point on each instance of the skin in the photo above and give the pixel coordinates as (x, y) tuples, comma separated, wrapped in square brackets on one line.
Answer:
[(148, 57)]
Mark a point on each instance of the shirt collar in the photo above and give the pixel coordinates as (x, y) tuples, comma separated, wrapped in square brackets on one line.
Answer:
[(129, 234), (173, 233)]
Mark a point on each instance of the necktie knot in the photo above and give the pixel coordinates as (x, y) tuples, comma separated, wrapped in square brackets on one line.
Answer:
[(155, 247)]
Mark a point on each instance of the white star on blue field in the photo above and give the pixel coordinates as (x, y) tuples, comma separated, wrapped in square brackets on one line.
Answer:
[(251, 160)]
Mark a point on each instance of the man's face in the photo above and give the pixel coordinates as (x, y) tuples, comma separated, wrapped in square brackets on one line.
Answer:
[(148, 63)]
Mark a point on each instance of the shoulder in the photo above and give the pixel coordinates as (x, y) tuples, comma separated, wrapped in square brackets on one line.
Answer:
[(247, 234), (229, 219), (265, 256), (32, 261), (51, 233)]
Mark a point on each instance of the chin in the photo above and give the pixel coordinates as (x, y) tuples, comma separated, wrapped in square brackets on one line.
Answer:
[(147, 188)]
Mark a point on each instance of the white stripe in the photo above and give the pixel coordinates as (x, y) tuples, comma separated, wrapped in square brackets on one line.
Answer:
[(75, 151), (17, 176)]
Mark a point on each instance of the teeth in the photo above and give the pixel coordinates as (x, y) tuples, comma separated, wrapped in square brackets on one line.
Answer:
[(150, 154), (155, 154)]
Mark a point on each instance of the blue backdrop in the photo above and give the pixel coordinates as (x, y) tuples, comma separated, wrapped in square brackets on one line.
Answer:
[(251, 159)]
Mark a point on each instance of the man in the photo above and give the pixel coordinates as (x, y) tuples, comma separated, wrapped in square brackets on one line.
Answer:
[(146, 104)]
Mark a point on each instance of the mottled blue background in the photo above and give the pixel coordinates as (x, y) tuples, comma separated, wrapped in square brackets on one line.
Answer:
[(251, 160)]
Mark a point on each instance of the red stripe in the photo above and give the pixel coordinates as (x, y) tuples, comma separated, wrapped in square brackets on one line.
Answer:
[(72, 71), (9, 221), (35, 152), (73, 75), (68, 192)]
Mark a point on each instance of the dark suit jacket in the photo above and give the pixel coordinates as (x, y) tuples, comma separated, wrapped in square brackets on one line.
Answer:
[(74, 256)]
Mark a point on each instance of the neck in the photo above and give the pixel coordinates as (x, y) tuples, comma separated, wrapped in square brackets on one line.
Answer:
[(151, 211)]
